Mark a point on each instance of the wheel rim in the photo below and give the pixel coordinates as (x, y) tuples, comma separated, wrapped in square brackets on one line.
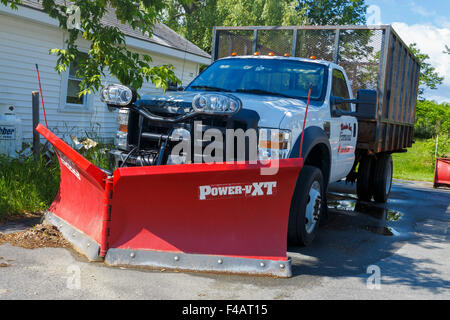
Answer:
[(313, 207), (389, 178)]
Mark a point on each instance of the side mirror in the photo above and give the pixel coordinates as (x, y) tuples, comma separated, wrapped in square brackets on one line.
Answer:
[(173, 86), (180, 88), (336, 100), (366, 105)]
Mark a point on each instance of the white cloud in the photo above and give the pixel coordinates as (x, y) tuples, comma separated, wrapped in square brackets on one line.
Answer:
[(430, 40), (438, 99), (421, 10)]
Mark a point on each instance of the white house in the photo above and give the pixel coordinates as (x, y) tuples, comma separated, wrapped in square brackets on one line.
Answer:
[(27, 34)]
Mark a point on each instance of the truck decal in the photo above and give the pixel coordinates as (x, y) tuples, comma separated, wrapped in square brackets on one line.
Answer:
[(69, 165), (346, 132), (344, 149), (237, 190)]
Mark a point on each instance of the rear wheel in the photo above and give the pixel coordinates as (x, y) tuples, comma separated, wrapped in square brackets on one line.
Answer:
[(382, 177), (363, 182), (307, 206)]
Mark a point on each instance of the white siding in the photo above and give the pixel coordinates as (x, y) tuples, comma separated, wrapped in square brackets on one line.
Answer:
[(23, 43)]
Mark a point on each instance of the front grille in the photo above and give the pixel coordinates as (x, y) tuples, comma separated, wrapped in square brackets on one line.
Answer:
[(156, 133)]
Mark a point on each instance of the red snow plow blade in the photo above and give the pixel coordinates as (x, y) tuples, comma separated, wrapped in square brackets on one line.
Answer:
[(442, 172), (79, 206), (201, 217)]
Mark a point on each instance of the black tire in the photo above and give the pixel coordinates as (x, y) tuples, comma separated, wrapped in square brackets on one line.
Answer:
[(364, 188), (382, 177), (298, 223)]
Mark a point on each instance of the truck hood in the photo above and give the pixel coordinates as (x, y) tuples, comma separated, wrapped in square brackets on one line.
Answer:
[(271, 109)]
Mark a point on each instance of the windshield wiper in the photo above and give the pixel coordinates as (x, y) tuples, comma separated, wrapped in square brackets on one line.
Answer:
[(260, 91), (208, 88)]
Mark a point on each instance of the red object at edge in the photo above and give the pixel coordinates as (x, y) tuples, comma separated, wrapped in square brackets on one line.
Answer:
[(442, 172), (304, 121)]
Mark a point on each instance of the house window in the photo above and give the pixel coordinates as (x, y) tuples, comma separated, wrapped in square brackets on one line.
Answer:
[(70, 100), (73, 87)]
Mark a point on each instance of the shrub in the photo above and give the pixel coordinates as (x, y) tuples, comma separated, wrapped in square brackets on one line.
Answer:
[(432, 118), (27, 186)]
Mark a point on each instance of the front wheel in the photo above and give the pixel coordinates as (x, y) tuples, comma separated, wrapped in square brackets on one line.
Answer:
[(307, 206)]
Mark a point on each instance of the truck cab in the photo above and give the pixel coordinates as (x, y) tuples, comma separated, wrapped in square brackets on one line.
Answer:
[(273, 92)]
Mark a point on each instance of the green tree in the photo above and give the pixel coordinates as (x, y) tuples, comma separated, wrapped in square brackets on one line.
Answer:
[(196, 19), (335, 12), (432, 119), (108, 49), (429, 77), (447, 50)]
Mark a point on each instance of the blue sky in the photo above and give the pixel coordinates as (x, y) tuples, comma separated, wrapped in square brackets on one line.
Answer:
[(425, 22)]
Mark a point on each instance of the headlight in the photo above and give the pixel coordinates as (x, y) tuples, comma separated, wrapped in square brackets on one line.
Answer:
[(216, 104), (274, 143), (117, 95)]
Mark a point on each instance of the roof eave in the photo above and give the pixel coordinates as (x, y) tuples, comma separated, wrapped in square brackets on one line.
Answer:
[(38, 16)]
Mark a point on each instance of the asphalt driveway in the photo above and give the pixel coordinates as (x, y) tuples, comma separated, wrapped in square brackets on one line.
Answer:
[(365, 251)]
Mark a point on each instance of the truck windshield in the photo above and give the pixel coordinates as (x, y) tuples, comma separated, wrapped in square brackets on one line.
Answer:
[(278, 77)]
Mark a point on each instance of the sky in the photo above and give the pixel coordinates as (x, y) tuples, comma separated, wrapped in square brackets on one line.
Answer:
[(426, 23)]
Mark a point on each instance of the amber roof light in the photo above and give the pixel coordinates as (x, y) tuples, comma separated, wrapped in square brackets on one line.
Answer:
[(286, 55), (256, 53), (234, 54), (271, 54)]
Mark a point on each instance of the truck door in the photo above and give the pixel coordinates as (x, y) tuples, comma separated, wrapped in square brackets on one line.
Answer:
[(343, 131)]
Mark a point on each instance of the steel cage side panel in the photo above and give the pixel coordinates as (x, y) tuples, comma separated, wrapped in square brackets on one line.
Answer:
[(162, 210)]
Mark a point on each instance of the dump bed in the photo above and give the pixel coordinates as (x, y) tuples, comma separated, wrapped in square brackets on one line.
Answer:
[(374, 57)]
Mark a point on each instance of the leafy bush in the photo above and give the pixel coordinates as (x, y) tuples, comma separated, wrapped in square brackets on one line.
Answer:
[(432, 118), (27, 186), (96, 152), (443, 149)]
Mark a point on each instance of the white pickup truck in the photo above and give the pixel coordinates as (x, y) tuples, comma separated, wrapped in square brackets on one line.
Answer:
[(267, 94)]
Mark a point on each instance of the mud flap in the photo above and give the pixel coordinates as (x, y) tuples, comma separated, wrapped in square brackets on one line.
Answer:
[(200, 217)]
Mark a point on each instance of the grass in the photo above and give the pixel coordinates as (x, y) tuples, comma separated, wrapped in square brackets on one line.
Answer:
[(416, 164), (27, 186)]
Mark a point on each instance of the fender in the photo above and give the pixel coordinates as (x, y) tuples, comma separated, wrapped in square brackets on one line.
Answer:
[(313, 136)]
